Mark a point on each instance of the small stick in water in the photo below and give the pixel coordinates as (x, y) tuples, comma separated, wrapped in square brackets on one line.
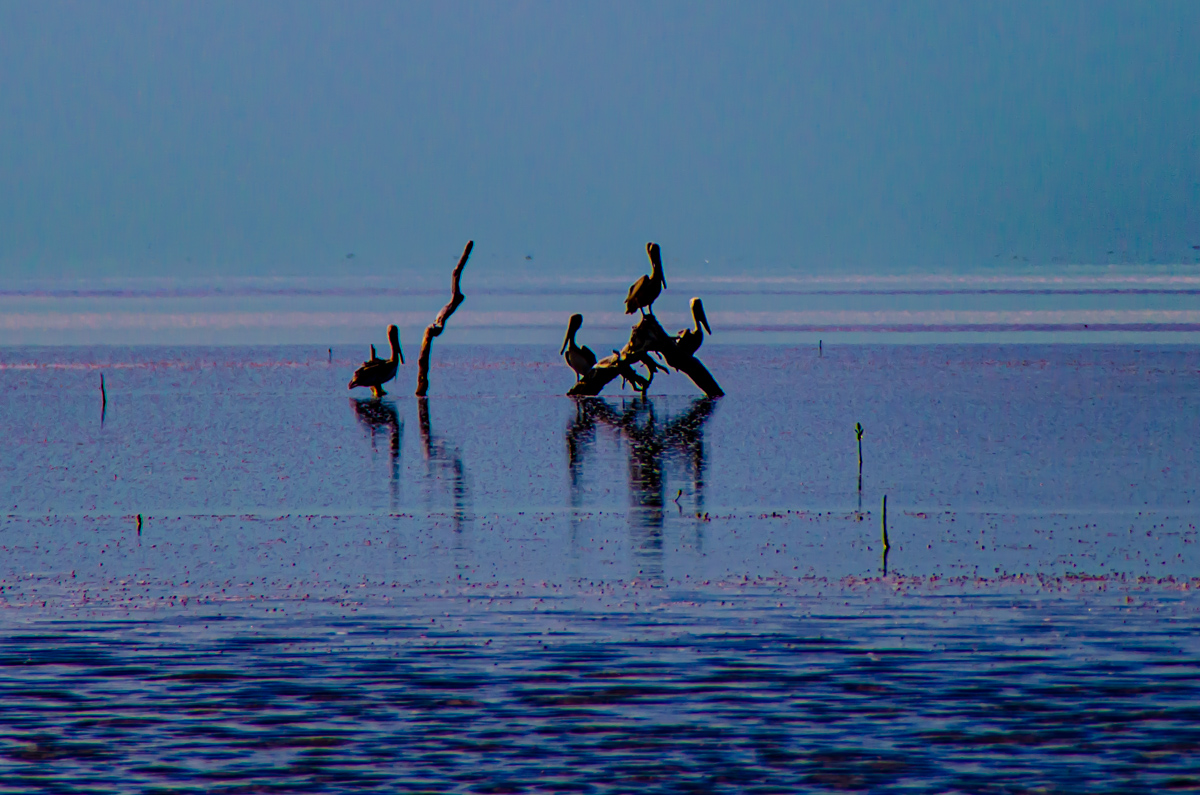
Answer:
[(103, 399), (886, 544), (858, 432), (331, 355), (139, 521), (820, 348)]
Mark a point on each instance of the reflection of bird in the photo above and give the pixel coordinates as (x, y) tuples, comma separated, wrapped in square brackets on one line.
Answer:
[(643, 292), (581, 360), (690, 338), (377, 372), (376, 414)]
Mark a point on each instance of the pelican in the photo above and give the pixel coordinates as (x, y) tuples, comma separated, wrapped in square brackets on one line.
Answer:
[(646, 289), (377, 372), (581, 360), (688, 341)]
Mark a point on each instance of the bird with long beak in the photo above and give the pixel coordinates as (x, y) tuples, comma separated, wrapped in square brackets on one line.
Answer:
[(643, 292), (688, 341), (581, 360), (377, 372)]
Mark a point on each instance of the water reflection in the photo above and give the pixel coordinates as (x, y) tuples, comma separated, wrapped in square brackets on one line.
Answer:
[(655, 439), (443, 459), (380, 415)]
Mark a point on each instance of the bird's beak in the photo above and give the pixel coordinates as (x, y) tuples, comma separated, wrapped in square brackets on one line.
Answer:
[(566, 340), (703, 319), (401, 352), (655, 255)]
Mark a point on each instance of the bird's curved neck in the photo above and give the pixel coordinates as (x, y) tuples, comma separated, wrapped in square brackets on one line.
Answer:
[(395, 349)]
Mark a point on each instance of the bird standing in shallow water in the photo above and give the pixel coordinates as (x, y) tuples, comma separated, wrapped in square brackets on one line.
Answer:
[(581, 360), (643, 292), (688, 340), (377, 372)]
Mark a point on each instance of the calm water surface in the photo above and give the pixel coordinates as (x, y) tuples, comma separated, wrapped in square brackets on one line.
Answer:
[(500, 589)]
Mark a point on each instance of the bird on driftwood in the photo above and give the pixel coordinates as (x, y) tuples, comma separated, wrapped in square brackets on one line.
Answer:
[(581, 360), (376, 372), (688, 341), (643, 292)]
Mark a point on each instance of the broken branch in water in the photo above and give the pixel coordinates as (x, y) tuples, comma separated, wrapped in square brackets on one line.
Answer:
[(439, 323), (646, 337)]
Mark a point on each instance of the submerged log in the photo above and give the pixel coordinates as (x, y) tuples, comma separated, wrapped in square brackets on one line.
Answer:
[(645, 338), (439, 323)]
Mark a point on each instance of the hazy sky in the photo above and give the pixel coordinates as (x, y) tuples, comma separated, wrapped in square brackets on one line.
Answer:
[(264, 138)]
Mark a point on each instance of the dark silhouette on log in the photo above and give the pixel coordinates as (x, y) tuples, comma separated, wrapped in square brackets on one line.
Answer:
[(645, 290), (689, 340), (439, 323), (646, 337), (579, 359)]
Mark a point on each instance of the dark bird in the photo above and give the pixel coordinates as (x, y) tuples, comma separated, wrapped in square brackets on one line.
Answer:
[(688, 341), (377, 372), (581, 360), (646, 289)]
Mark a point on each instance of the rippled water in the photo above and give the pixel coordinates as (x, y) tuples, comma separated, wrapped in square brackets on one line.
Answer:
[(500, 589)]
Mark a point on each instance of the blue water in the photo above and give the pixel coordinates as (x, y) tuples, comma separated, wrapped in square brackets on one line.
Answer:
[(501, 589)]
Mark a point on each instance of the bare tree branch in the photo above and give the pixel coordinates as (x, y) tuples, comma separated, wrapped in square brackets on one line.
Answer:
[(439, 323)]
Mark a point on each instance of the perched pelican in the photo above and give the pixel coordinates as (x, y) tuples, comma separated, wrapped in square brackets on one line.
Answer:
[(377, 372), (646, 289), (688, 341), (581, 360)]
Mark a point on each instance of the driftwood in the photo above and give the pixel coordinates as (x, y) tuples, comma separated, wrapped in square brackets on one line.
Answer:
[(646, 337), (439, 323)]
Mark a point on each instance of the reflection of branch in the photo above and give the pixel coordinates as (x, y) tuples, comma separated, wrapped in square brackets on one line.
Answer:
[(581, 432), (439, 323), (649, 441), (436, 452), (645, 337)]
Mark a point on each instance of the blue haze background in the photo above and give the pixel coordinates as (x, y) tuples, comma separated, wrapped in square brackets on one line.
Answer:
[(215, 139)]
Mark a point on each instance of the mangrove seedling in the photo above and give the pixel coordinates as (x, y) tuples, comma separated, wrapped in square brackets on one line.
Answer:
[(858, 433)]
